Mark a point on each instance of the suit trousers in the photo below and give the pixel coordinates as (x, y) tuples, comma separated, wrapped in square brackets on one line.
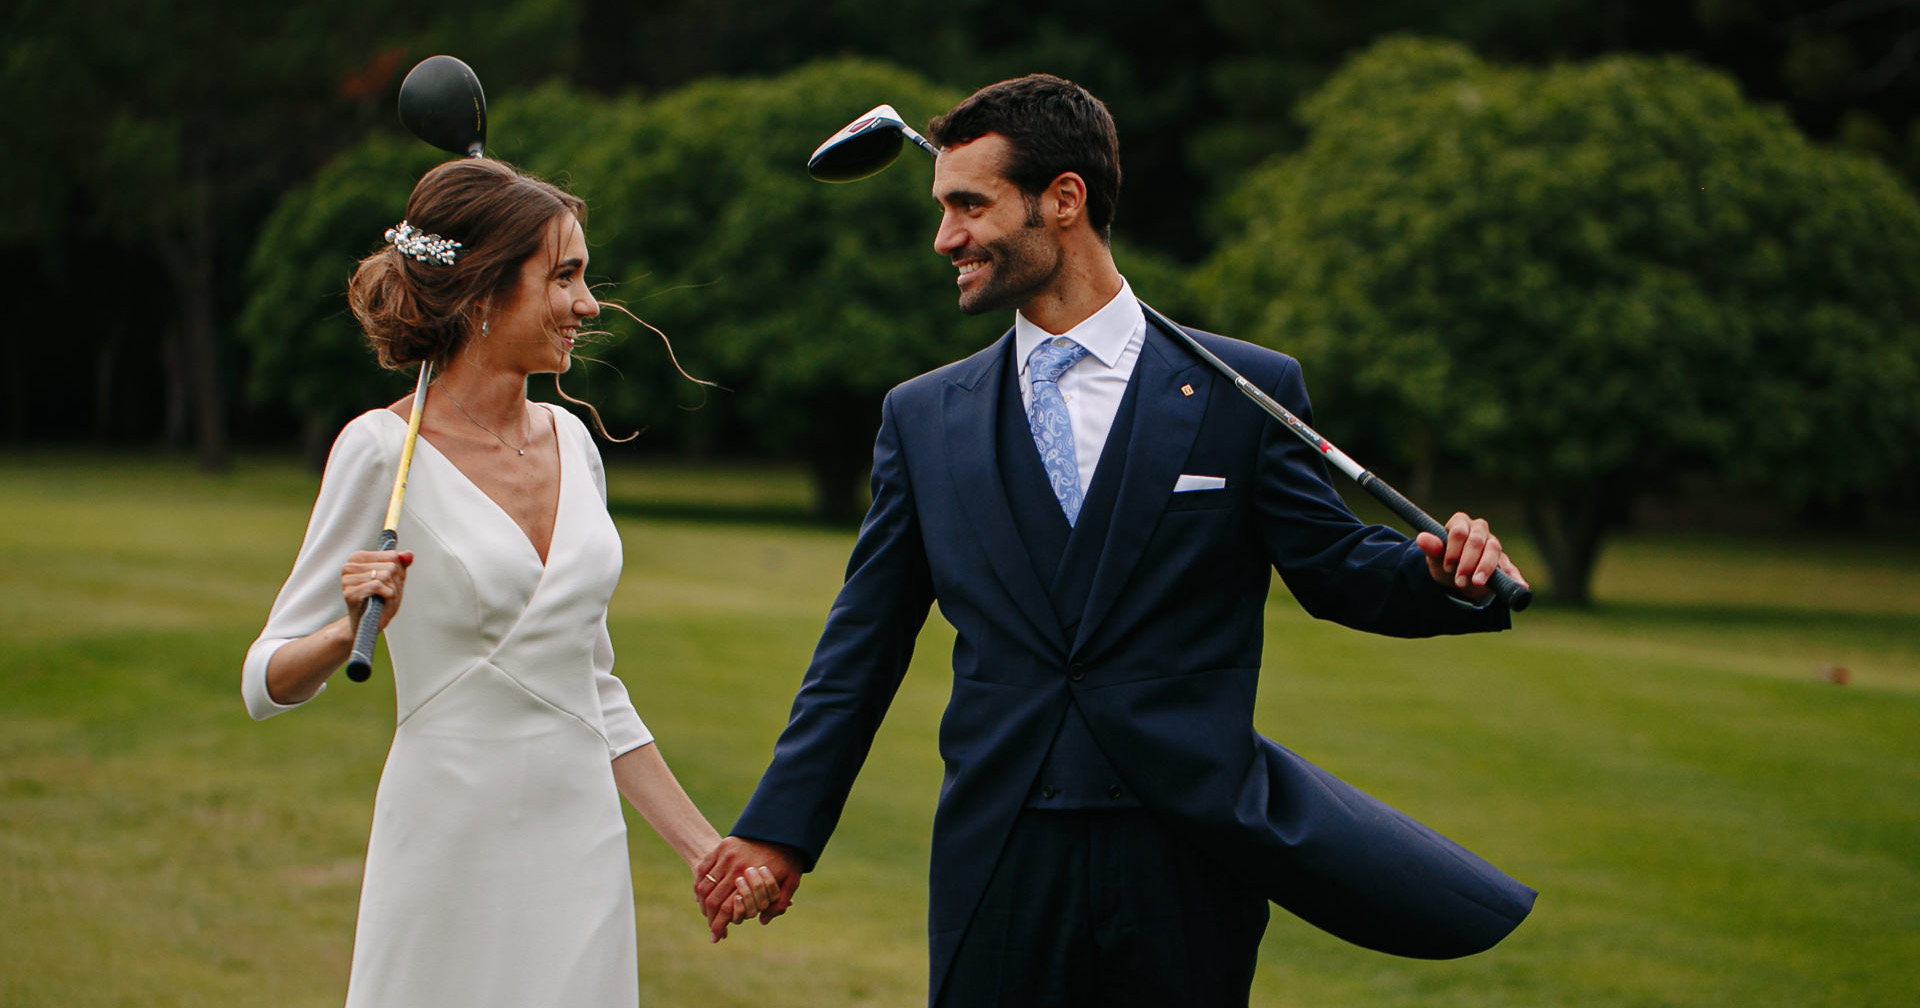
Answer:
[(1107, 908)]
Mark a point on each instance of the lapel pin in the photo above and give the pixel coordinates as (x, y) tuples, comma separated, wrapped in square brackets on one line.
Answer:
[(1186, 390)]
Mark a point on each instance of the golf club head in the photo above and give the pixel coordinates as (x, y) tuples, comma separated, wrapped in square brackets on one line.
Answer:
[(864, 147), (441, 102)]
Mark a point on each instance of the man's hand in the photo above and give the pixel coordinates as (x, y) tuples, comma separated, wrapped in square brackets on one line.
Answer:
[(1468, 557), (714, 885)]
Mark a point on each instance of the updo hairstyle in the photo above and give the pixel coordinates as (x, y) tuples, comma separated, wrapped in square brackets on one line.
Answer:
[(416, 311)]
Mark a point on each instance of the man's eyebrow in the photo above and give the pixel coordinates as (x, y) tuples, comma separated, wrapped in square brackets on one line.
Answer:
[(963, 196)]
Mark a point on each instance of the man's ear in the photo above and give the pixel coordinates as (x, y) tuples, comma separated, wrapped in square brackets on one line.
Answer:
[(1069, 192)]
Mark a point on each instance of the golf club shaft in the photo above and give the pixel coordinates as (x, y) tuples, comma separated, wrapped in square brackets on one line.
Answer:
[(1516, 596), (360, 663), (913, 135)]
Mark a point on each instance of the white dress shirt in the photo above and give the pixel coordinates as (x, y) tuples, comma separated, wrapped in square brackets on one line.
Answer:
[(1094, 385)]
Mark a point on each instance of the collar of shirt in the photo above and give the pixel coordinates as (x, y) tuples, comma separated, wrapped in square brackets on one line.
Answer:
[(1105, 333)]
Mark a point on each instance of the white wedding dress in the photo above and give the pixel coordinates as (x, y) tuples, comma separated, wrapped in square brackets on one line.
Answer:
[(497, 867)]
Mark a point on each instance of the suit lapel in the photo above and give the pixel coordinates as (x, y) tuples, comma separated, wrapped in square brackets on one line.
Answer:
[(968, 405), (1165, 423)]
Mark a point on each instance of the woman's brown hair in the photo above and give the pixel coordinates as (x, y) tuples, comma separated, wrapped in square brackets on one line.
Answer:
[(415, 311)]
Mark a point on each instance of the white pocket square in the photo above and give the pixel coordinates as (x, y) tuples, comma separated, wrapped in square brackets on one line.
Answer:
[(1187, 484)]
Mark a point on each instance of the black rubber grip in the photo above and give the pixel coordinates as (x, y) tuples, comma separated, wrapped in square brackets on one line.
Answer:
[(360, 663), (1516, 596)]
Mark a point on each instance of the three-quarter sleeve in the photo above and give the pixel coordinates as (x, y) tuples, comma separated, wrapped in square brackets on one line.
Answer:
[(624, 729), (347, 515)]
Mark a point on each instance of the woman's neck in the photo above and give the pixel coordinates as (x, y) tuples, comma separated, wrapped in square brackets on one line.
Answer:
[(496, 399)]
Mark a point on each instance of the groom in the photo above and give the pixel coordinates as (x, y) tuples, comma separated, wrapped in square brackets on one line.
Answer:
[(1098, 514)]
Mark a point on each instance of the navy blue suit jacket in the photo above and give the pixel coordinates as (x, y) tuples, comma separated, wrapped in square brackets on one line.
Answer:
[(1163, 663)]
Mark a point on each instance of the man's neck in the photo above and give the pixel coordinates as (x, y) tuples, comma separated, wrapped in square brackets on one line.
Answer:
[(1085, 285)]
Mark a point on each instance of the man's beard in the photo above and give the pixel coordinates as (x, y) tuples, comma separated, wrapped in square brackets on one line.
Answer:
[(1020, 265)]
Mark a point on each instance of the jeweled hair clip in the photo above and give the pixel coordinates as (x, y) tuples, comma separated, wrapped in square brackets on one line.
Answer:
[(411, 241)]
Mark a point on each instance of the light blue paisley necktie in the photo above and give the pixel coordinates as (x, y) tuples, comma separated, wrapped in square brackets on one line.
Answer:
[(1047, 415)]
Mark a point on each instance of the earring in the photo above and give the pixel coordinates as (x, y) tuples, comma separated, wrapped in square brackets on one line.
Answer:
[(483, 328)]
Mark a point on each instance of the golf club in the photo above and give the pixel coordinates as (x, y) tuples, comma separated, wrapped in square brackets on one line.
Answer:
[(864, 148), (867, 145), (441, 103)]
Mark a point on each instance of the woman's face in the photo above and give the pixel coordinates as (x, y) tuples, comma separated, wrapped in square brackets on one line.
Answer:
[(534, 330)]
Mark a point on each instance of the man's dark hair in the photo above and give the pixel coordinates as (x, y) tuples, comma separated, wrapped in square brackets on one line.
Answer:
[(1054, 126)]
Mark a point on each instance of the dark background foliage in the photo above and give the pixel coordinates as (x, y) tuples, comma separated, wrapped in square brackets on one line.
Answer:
[(189, 184)]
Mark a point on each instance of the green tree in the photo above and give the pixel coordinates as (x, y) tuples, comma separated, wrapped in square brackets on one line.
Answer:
[(164, 130), (305, 349), (1579, 281), (807, 300)]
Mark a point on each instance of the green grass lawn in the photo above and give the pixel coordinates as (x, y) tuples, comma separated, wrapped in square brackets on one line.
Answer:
[(1709, 821)]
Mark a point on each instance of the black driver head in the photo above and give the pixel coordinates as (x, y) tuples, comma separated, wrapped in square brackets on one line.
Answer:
[(441, 102), (862, 148)]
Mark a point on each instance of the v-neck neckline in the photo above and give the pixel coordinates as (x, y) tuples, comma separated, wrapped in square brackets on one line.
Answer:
[(559, 499)]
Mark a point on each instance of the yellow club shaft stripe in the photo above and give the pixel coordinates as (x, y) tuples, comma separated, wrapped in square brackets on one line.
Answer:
[(406, 449)]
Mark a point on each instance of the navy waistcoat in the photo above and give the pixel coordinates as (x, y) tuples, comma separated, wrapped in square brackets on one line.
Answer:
[(1076, 774)]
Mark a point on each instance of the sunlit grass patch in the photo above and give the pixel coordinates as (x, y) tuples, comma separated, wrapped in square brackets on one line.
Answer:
[(1709, 818)]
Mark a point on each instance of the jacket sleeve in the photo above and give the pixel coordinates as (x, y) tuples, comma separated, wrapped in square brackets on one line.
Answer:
[(856, 668), (1368, 577)]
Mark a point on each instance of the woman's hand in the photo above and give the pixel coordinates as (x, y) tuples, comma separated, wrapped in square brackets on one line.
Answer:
[(751, 860), (374, 572), (298, 670), (755, 890)]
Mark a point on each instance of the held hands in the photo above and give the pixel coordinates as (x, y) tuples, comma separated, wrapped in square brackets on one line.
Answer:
[(764, 876), (753, 893), (1468, 557), (374, 572)]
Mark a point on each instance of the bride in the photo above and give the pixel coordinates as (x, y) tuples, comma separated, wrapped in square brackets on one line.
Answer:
[(497, 869)]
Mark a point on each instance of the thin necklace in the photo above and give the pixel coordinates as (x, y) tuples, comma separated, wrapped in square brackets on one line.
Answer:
[(496, 436)]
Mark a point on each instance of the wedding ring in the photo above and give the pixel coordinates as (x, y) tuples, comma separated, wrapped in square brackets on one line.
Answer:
[(373, 575), (711, 879)]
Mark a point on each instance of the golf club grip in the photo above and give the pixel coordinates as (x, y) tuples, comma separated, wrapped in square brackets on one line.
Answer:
[(1515, 595), (360, 663)]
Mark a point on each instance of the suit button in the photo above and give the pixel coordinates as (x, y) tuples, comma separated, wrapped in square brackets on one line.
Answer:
[(1048, 790), (1114, 791), (1076, 671)]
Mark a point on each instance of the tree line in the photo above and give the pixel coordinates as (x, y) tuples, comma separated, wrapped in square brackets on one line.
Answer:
[(1574, 279)]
